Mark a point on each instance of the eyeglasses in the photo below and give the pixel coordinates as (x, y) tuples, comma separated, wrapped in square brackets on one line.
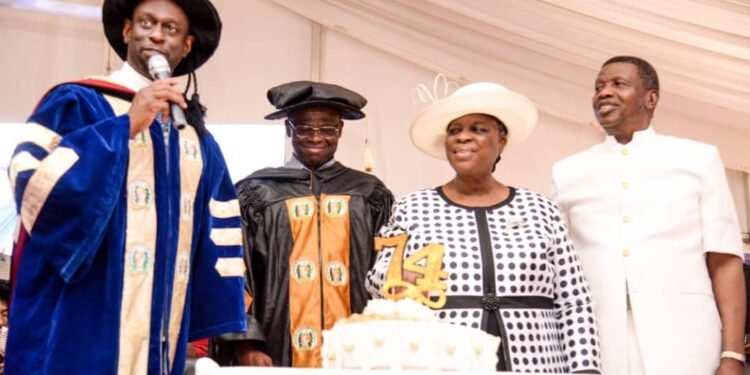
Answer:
[(304, 131)]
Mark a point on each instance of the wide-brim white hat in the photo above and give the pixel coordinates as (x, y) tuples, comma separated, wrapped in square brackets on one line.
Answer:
[(517, 112)]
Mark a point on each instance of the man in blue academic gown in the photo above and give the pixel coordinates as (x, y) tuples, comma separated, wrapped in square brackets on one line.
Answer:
[(130, 243)]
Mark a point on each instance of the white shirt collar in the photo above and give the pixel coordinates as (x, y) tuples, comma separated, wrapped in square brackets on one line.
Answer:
[(640, 137), (130, 78), (293, 162)]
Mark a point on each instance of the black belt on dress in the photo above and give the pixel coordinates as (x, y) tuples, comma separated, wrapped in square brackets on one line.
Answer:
[(491, 302)]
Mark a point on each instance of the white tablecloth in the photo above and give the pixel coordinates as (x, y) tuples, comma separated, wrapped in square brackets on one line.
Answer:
[(205, 366)]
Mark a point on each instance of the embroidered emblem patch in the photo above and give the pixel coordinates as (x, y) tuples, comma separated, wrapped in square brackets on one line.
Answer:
[(335, 207), (183, 266), (190, 150), (336, 273), (305, 339), (138, 258), (302, 209), (186, 207), (140, 194), (303, 270)]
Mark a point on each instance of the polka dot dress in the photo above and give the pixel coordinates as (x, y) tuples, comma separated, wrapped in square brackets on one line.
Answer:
[(517, 250)]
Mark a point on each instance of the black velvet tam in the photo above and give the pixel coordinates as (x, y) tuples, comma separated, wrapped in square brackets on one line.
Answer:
[(297, 95)]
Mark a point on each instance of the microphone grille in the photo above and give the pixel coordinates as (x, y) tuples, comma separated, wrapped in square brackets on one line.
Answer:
[(158, 64)]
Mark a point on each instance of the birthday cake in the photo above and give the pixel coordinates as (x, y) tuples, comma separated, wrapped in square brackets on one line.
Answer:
[(405, 335)]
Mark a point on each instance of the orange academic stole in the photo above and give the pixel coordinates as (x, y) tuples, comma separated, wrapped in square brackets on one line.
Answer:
[(320, 252)]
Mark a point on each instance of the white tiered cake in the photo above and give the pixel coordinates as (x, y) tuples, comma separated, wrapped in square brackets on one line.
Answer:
[(406, 335)]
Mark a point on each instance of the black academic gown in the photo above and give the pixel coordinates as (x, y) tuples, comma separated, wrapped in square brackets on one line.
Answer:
[(308, 245)]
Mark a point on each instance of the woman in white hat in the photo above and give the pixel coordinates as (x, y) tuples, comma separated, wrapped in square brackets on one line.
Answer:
[(507, 265)]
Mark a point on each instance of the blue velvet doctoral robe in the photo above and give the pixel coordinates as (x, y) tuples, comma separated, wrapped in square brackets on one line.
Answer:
[(133, 247)]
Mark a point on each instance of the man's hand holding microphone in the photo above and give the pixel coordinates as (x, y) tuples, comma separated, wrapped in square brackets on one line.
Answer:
[(161, 96)]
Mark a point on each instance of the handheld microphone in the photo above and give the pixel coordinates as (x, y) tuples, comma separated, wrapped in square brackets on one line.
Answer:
[(159, 69)]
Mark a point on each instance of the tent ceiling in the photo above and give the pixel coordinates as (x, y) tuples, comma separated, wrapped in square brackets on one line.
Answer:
[(552, 49)]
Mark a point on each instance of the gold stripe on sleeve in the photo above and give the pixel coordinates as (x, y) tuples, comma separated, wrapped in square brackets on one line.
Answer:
[(40, 136), (41, 183), (22, 162), (224, 209), (230, 267), (226, 236)]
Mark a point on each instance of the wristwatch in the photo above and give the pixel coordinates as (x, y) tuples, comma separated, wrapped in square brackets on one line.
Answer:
[(733, 355)]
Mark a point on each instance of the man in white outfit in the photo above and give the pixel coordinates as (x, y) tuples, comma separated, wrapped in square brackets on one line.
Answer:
[(654, 224)]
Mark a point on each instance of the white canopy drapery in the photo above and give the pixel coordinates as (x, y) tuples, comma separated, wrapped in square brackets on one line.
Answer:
[(551, 50)]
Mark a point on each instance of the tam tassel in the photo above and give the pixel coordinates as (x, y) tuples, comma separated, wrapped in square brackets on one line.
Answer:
[(196, 111), (369, 164)]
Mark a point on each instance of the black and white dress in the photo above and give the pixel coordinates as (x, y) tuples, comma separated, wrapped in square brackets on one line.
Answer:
[(512, 272)]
